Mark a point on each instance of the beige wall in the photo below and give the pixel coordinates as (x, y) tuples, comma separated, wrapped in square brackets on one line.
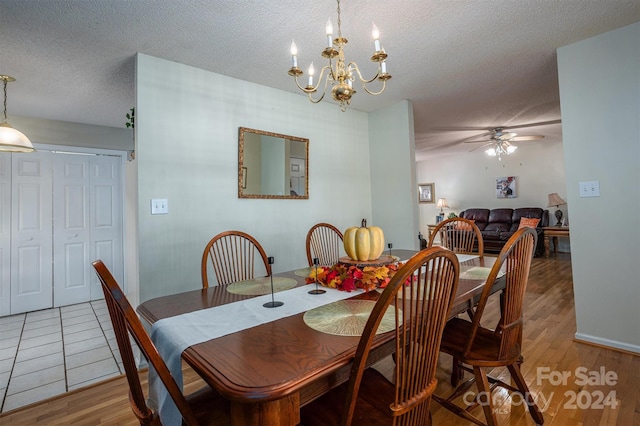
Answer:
[(187, 122), (600, 101)]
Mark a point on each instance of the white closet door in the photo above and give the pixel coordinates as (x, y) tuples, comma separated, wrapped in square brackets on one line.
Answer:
[(106, 212), (31, 232), (71, 229), (5, 234)]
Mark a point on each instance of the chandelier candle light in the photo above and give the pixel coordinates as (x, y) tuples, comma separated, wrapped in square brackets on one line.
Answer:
[(11, 140), (340, 76)]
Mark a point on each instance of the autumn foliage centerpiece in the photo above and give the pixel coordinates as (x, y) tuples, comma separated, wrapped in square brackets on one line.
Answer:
[(364, 267), (350, 277)]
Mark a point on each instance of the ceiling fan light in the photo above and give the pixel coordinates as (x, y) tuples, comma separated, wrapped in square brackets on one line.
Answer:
[(511, 149), (491, 152)]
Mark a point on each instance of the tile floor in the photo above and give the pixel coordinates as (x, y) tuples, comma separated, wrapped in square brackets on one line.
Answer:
[(49, 352)]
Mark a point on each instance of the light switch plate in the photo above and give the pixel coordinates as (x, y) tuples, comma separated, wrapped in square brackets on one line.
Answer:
[(589, 189), (159, 206)]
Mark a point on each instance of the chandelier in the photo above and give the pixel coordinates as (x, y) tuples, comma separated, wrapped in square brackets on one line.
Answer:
[(501, 147), (11, 140), (340, 75)]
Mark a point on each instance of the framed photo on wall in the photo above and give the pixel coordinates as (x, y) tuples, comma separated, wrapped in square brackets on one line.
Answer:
[(506, 187), (426, 193)]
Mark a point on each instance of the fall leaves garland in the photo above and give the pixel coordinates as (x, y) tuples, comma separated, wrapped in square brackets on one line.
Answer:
[(348, 277)]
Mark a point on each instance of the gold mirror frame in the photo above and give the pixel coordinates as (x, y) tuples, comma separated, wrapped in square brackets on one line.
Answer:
[(246, 179)]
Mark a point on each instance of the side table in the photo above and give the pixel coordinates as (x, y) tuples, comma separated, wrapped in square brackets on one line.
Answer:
[(553, 232)]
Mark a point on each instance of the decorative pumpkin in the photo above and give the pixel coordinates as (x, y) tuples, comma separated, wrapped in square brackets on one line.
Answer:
[(364, 243)]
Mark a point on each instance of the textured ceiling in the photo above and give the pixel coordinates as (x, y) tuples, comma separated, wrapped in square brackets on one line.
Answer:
[(466, 65)]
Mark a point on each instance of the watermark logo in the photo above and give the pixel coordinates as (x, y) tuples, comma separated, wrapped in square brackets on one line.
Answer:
[(581, 399)]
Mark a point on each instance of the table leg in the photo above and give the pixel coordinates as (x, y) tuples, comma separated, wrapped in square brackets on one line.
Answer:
[(281, 412), (546, 246), (555, 246)]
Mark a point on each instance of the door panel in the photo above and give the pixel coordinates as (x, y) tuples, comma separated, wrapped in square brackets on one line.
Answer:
[(106, 211), (5, 234), (31, 232), (71, 232)]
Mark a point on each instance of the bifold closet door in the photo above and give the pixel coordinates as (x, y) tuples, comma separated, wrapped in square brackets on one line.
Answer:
[(87, 224), (31, 232)]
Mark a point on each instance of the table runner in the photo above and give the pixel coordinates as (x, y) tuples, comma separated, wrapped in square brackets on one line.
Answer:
[(173, 335)]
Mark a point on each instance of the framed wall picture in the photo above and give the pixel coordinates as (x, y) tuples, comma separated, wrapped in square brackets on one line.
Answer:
[(506, 187), (426, 193)]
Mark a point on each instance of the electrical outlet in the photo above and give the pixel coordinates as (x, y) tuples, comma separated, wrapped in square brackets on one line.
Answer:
[(589, 189), (159, 206)]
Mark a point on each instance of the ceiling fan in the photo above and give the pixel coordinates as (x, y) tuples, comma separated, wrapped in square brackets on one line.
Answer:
[(500, 139)]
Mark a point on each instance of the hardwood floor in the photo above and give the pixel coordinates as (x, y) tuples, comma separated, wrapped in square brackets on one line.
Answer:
[(549, 350)]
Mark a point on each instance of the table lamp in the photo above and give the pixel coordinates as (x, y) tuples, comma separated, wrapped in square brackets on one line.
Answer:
[(554, 201), (442, 203)]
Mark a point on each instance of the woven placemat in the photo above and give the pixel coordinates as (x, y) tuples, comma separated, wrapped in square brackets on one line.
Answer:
[(347, 318), (478, 273), (304, 272), (261, 286)]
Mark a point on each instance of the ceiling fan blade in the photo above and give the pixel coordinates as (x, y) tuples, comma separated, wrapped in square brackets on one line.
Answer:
[(542, 123), (483, 140), (481, 146), (527, 138)]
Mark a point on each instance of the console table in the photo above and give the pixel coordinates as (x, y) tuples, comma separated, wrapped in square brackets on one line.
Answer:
[(553, 232)]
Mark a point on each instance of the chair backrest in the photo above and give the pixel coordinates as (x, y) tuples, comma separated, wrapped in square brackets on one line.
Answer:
[(324, 242), (421, 312), (516, 257), (124, 319), (233, 256), (459, 235)]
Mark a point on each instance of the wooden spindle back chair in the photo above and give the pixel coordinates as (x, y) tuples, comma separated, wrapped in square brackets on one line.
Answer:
[(233, 255), (323, 241), (478, 346), (420, 312), (459, 235), (202, 407)]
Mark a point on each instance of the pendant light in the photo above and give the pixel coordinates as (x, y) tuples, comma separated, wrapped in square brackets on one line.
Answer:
[(11, 140)]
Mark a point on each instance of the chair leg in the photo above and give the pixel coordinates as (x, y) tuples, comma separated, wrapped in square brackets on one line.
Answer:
[(535, 412), (484, 396), (457, 373)]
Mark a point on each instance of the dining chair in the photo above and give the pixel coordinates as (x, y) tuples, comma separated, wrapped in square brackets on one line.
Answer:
[(475, 346), (420, 296), (234, 256), (323, 241), (459, 235), (202, 407)]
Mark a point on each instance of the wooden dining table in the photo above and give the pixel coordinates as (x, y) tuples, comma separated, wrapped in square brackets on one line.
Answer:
[(269, 371)]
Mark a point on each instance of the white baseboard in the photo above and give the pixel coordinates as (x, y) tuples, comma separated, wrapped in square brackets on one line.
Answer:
[(613, 344)]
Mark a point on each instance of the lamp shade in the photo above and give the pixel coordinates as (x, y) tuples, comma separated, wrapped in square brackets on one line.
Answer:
[(442, 203), (13, 140), (555, 200)]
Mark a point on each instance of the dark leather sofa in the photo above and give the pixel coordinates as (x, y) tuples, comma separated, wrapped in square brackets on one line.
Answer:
[(498, 225)]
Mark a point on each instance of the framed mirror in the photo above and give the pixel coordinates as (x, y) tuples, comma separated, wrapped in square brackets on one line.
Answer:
[(271, 165)]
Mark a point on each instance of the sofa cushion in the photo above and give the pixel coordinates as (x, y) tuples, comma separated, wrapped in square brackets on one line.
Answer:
[(501, 216), (528, 222), (464, 226), (528, 212), (479, 216)]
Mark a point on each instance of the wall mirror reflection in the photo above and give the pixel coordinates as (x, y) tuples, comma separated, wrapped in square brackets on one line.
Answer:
[(271, 165)]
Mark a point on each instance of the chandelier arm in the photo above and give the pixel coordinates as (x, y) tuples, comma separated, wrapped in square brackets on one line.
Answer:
[(324, 91), (354, 66), (384, 84)]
